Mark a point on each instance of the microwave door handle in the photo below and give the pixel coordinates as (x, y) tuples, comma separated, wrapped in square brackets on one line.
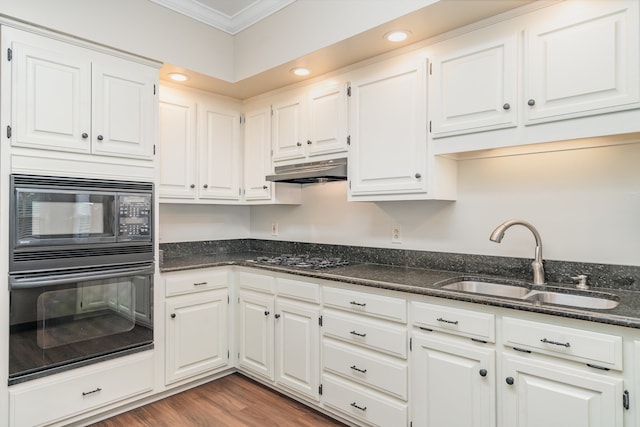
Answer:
[(61, 279)]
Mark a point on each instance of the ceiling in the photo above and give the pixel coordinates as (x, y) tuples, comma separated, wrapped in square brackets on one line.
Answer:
[(230, 16), (425, 23)]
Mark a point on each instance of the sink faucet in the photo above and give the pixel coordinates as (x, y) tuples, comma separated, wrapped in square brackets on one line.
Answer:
[(538, 268)]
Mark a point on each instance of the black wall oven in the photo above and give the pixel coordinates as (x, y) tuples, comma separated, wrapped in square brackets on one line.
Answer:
[(80, 272)]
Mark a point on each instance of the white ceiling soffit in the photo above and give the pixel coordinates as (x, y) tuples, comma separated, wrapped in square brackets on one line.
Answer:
[(230, 16)]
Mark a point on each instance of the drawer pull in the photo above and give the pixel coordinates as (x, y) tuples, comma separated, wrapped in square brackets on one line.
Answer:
[(359, 304), (451, 322), (483, 372), (362, 371), (358, 334), (625, 400), (86, 393), (510, 380), (200, 283), (355, 405), (563, 344)]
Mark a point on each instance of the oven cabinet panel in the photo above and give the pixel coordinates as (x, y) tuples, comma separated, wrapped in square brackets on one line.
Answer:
[(196, 334), (70, 98), (63, 396), (537, 393)]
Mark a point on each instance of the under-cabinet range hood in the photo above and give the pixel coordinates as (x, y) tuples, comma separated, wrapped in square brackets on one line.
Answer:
[(311, 172)]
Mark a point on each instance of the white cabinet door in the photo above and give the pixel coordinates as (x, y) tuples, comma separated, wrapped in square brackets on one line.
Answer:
[(327, 119), (388, 129), (219, 154), (255, 333), (582, 60), (51, 99), (538, 394), (452, 383), (123, 109), (473, 85), (257, 153), (196, 334), (177, 145), (287, 129), (297, 342)]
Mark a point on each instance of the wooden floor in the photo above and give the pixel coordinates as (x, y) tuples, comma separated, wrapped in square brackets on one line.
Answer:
[(230, 401)]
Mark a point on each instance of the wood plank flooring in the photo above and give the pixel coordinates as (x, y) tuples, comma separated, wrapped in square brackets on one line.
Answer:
[(231, 401)]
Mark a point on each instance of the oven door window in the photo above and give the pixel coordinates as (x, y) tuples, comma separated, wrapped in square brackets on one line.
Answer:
[(50, 217)]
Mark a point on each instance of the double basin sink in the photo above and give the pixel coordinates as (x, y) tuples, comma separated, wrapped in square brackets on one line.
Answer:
[(590, 300)]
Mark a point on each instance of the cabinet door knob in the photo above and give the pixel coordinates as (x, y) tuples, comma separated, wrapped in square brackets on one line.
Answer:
[(205, 186), (266, 313), (192, 186), (483, 372), (510, 380), (531, 102), (277, 316), (85, 135), (418, 175), (173, 315), (299, 144), (506, 106), (100, 137), (264, 187), (309, 142)]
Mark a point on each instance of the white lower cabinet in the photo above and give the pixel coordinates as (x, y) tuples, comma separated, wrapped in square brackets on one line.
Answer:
[(365, 370), (196, 322), (452, 382), (539, 393), (54, 399), (278, 332)]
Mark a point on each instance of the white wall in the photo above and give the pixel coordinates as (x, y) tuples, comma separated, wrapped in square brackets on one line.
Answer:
[(584, 203), (189, 223)]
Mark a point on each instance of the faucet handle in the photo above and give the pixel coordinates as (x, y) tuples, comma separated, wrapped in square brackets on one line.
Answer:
[(582, 281)]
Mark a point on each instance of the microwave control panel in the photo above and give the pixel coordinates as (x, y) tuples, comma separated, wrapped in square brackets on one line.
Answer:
[(134, 217)]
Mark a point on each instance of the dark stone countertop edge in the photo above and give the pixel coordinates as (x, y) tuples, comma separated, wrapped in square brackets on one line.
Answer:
[(361, 274)]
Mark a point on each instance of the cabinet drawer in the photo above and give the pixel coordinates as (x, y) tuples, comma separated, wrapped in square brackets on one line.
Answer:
[(298, 290), (194, 281), (363, 303), (89, 389), (363, 404), (256, 282), (454, 321), (374, 334), (595, 348), (365, 367)]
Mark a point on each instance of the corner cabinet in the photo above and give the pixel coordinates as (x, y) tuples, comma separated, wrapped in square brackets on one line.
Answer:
[(389, 157), (66, 97)]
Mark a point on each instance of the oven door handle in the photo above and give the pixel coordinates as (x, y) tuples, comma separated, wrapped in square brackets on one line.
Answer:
[(36, 281)]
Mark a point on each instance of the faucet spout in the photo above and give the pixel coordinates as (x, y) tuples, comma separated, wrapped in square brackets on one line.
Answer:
[(538, 268)]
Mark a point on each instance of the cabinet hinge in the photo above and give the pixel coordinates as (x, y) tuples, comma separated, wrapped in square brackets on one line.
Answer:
[(238, 300), (431, 68), (320, 321), (320, 389), (228, 354), (348, 139), (625, 400), (349, 184), (429, 126), (9, 54), (349, 90), (411, 344), (154, 88), (242, 119), (9, 132), (272, 110), (154, 149), (228, 299)]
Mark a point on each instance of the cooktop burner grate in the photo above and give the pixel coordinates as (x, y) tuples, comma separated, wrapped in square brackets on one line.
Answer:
[(302, 261)]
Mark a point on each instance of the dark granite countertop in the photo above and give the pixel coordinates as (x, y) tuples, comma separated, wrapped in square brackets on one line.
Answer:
[(424, 282)]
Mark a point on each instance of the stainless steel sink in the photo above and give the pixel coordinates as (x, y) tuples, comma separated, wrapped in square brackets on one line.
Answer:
[(573, 300), (488, 288), (523, 291)]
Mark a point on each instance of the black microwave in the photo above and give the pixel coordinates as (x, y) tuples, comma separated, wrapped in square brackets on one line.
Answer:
[(63, 222)]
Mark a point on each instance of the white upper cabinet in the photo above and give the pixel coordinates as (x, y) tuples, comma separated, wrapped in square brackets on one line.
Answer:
[(582, 60), (70, 98), (473, 84), (310, 124), (200, 147), (388, 115), (257, 153)]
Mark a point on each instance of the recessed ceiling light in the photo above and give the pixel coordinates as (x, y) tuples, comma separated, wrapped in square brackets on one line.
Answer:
[(397, 36), (299, 71), (178, 77)]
